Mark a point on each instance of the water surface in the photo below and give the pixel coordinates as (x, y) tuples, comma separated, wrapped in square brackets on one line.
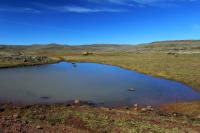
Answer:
[(102, 84)]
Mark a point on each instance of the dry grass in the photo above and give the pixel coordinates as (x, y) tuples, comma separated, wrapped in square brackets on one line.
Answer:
[(188, 108), (58, 118), (182, 67)]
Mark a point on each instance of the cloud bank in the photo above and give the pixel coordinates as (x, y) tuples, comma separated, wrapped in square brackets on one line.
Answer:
[(85, 6)]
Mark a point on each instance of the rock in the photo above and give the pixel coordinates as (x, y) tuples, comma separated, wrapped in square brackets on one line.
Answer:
[(171, 53), (15, 116), (74, 65), (135, 109), (161, 113), (39, 127), (76, 101), (128, 112), (136, 105), (24, 122), (151, 109), (143, 109), (176, 114), (148, 107), (26, 59), (131, 89)]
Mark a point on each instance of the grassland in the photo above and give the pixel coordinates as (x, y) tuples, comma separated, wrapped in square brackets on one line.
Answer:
[(184, 67), (85, 119), (174, 60)]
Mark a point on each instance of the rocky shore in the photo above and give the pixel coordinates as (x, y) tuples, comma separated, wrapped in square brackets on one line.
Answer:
[(24, 60), (77, 118)]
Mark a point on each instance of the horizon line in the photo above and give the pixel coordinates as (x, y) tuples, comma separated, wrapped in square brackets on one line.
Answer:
[(54, 43)]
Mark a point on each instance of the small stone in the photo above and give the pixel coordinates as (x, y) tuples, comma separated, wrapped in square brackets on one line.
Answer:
[(24, 122), (149, 108), (143, 109), (135, 105), (76, 101), (39, 127), (131, 89), (174, 114), (135, 109), (128, 112), (16, 116)]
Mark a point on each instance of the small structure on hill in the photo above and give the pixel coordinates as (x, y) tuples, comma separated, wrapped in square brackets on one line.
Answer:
[(87, 53)]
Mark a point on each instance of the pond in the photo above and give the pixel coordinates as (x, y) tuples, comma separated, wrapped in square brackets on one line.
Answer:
[(104, 85)]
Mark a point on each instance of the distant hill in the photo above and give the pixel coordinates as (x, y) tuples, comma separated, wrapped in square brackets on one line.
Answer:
[(160, 46)]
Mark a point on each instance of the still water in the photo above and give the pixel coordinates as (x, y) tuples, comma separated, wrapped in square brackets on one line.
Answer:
[(102, 84)]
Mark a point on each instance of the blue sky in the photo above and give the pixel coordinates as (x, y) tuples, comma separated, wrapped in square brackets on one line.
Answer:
[(98, 21)]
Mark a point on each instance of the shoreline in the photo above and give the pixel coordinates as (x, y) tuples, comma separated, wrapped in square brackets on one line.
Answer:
[(120, 66), (144, 73), (83, 118), (62, 59), (87, 119)]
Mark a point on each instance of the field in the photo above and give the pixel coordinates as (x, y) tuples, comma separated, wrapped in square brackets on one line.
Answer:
[(183, 67), (85, 119), (174, 60)]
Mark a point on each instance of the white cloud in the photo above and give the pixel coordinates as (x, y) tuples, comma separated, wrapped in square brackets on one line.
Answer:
[(144, 2), (95, 6), (79, 9)]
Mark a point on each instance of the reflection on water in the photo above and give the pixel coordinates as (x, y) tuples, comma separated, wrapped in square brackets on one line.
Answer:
[(103, 84)]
